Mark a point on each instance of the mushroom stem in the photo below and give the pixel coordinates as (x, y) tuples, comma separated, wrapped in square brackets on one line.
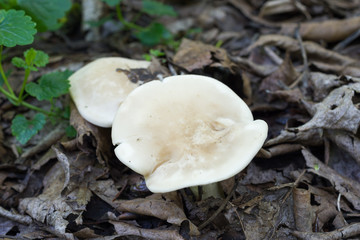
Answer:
[(208, 190)]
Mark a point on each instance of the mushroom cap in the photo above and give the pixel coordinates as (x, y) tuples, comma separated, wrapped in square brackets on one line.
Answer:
[(186, 131), (98, 89)]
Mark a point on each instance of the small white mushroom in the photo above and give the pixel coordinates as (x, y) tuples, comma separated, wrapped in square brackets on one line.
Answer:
[(98, 88), (186, 131)]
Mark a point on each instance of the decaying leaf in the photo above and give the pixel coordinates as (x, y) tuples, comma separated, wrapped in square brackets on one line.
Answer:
[(90, 137), (313, 50), (346, 141), (50, 207), (162, 209), (193, 56), (337, 111), (329, 31), (126, 229), (349, 188)]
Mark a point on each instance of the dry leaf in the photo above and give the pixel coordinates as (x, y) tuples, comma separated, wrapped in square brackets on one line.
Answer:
[(125, 229), (348, 188), (193, 56), (328, 31), (337, 111), (312, 49)]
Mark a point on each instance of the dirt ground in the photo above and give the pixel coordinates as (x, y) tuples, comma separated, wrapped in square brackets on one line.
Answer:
[(296, 65)]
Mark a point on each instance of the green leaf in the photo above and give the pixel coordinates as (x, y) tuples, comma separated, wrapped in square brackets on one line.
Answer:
[(46, 13), (50, 86), (16, 28), (153, 34), (112, 3), (36, 57), (70, 131), (155, 8), (24, 129), (18, 62), (32, 57)]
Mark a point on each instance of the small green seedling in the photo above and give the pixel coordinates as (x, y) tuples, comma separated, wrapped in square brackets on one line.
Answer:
[(153, 53), (16, 28)]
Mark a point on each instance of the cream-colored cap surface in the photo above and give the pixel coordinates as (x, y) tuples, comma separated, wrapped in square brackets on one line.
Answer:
[(98, 89), (185, 131)]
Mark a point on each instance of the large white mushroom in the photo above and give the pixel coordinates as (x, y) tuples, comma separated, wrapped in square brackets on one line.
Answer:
[(99, 88), (186, 131)]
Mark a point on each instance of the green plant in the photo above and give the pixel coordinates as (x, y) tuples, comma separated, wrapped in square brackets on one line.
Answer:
[(155, 32), (153, 53), (44, 13), (16, 28)]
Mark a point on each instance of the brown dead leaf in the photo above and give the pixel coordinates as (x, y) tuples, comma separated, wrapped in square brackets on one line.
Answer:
[(311, 137), (162, 209), (328, 31), (281, 7), (348, 188), (348, 231), (326, 207), (283, 77), (126, 229), (313, 50), (322, 84), (246, 9), (90, 137), (337, 111), (346, 141), (157, 208), (50, 207), (339, 69), (193, 56)]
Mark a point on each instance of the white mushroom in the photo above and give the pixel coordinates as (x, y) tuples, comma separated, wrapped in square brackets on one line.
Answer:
[(98, 88), (186, 131)]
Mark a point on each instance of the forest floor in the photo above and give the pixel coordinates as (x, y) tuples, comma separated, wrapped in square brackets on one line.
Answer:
[(295, 64)]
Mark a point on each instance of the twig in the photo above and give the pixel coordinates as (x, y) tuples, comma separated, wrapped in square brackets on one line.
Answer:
[(15, 217), (341, 45), (305, 75), (341, 233)]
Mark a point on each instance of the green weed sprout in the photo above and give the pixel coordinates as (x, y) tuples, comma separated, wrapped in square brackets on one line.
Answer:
[(16, 28)]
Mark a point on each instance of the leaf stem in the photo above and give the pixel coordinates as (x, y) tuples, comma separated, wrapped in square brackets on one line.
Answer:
[(126, 23), (30, 106), (27, 73), (3, 73)]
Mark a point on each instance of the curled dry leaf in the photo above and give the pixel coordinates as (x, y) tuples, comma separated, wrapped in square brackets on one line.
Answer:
[(312, 49), (247, 10), (342, 233), (322, 84), (349, 188), (303, 212), (193, 56), (164, 210), (90, 137), (311, 137), (326, 205), (328, 31), (337, 111), (340, 69), (284, 76), (125, 229), (272, 7)]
